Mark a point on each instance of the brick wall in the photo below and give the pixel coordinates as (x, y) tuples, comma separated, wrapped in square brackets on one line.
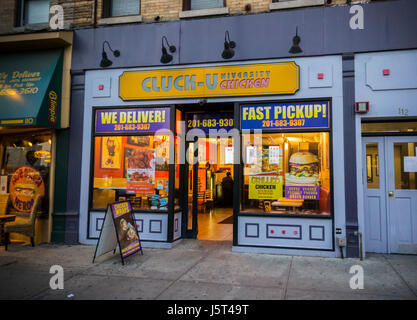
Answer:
[(7, 15), (165, 9), (80, 13)]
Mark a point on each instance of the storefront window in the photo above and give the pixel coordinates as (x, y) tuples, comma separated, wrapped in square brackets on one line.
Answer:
[(287, 173), (131, 160), (26, 163), (131, 168)]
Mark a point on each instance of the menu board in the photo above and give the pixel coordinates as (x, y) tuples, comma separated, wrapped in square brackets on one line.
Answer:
[(266, 186), (124, 232)]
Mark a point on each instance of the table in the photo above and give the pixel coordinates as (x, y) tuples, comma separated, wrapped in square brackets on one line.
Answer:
[(3, 220)]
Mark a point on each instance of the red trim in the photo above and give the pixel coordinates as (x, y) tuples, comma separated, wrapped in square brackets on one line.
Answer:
[(356, 107)]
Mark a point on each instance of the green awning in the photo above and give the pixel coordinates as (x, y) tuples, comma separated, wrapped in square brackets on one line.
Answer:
[(30, 88)]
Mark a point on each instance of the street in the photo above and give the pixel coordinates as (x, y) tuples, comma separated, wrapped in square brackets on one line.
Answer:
[(200, 270)]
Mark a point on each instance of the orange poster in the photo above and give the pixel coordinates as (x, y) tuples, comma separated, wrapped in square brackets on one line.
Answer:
[(25, 184)]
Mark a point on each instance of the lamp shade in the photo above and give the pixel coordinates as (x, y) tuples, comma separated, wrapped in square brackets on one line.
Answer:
[(166, 57), (105, 62)]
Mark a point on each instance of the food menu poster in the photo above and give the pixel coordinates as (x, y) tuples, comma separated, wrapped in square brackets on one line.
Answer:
[(285, 115), (132, 120), (127, 234), (302, 192), (274, 153), (140, 181), (265, 187)]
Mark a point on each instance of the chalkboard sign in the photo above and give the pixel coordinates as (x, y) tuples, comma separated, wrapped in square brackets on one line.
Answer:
[(118, 228)]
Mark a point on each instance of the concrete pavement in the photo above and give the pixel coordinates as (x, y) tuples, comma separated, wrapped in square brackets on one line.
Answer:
[(200, 270)]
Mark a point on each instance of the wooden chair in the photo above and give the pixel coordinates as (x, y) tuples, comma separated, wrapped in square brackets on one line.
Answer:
[(24, 226)]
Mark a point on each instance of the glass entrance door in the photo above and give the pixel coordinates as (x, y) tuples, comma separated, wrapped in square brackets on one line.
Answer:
[(210, 189), (390, 194)]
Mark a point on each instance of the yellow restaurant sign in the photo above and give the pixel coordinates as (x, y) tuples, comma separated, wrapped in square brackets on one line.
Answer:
[(203, 82)]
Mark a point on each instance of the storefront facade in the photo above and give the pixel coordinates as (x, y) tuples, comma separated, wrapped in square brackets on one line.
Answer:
[(308, 115), (316, 196), (34, 117), (388, 136)]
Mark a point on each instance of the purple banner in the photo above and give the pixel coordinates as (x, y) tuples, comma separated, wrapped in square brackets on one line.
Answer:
[(302, 192), (131, 120)]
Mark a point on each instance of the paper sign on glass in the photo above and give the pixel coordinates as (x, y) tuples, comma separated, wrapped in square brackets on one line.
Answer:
[(273, 154), (410, 164)]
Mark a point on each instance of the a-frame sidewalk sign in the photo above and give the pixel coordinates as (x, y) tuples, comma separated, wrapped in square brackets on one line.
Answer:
[(118, 228)]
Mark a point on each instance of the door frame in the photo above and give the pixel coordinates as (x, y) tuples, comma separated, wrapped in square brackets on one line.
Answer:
[(394, 222), (191, 233), (387, 181), (380, 141)]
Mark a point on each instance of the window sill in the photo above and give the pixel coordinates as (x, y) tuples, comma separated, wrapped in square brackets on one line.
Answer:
[(204, 12), (295, 4), (284, 215), (31, 27), (119, 20)]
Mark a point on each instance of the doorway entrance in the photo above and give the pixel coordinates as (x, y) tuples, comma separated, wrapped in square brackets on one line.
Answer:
[(210, 179), (390, 181)]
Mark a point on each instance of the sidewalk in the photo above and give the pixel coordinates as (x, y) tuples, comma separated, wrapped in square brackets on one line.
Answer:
[(200, 270)]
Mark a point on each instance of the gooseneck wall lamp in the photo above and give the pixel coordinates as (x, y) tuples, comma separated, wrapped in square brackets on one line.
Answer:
[(166, 57), (105, 62), (295, 44), (228, 51)]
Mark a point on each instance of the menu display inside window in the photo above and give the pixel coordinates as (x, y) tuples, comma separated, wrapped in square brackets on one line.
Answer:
[(131, 168), (290, 171)]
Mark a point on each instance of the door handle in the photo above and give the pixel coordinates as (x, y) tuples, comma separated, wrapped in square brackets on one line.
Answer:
[(391, 194)]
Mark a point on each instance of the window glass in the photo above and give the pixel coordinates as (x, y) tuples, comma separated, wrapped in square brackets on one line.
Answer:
[(206, 4), (287, 173), (405, 162), (395, 126), (25, 168), (131, 168), (36, 11), (124, 7), (372, 166)]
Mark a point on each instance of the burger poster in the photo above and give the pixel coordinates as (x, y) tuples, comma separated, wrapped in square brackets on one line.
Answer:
[(302, 182), (25, 184), (265, 186)]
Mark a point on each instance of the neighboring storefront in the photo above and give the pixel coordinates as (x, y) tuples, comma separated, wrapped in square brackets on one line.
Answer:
[(285, 178), (388, 159), (34, 89)]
